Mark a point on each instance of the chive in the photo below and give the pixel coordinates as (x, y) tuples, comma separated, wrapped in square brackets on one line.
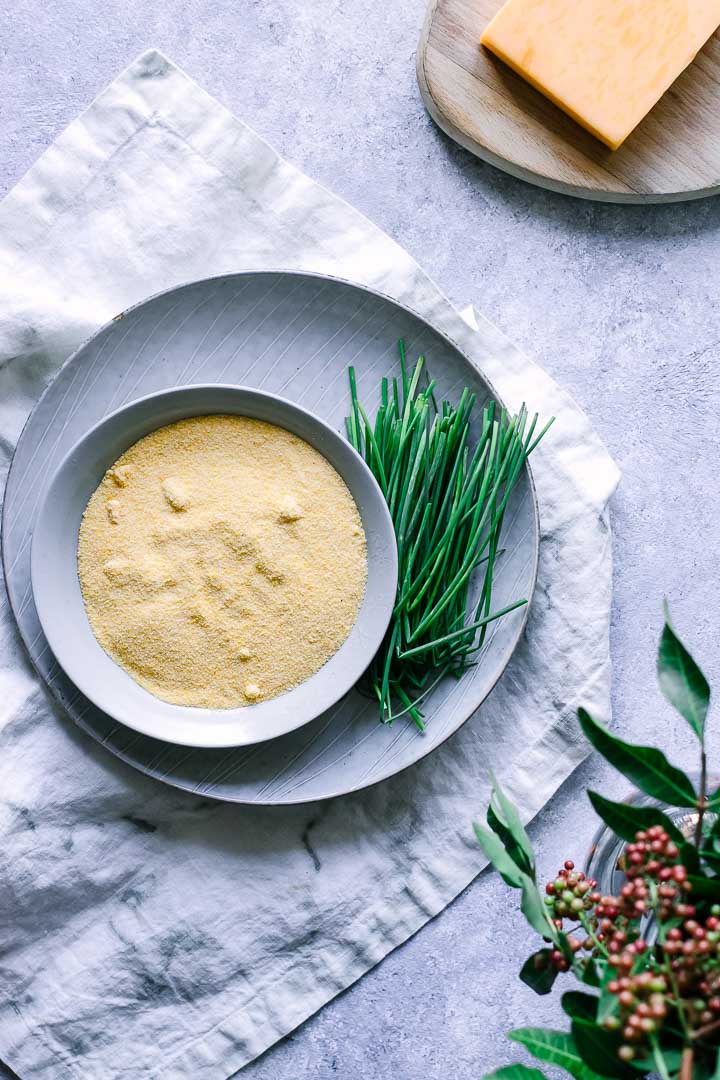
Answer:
[(459, 633), (447, 496)]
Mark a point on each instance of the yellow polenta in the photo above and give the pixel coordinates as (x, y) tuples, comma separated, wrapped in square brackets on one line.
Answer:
[(222, 561)]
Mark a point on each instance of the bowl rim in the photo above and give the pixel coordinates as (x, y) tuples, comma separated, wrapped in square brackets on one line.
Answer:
[(367, 645)]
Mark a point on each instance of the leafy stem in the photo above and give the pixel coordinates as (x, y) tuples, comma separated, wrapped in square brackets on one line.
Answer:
[(687, 1062), (677, 1000), (587, 927), (702, 797), (659, 1059), (707, 1030)]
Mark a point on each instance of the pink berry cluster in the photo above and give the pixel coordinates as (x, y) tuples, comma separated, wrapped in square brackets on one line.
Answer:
[(693, 986), (654, 855), (570, 893), (568, 896), (694, 953), (657, 882), (642, 1008), (679, 976)]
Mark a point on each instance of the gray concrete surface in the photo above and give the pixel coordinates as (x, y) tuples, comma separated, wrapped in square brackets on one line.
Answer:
[(620, 304)]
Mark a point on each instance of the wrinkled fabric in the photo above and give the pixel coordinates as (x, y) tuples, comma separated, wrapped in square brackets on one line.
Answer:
[(145, 932)]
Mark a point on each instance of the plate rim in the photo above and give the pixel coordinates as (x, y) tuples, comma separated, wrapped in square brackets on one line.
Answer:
[(267, 272)]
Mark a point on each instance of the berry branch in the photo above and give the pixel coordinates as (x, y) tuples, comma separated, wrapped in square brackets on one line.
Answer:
[(651, 952)]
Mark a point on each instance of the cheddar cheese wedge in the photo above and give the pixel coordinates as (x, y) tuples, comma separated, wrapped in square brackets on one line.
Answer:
[(604, 62)]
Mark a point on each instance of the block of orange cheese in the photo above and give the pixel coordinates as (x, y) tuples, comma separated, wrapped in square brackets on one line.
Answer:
[(605, 62)]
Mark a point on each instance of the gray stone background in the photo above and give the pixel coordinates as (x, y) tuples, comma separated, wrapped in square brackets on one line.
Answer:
[(620, 304)]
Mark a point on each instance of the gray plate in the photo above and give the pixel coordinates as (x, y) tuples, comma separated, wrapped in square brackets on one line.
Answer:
[(294, 335)]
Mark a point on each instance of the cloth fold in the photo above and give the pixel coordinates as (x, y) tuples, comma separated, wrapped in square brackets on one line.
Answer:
[(114, 961)]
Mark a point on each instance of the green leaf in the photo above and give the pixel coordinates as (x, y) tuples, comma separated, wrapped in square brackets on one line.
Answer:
[(513, 849), (531, 905), (646, 1062), (538, 973), (593, 972), (494, 850), (690, 858), (578, 1005), (708, 888), (562, 942), (598, 1049), (711, 859), (681, 680), (554, 1047), (535, 910), (672, 1059), (644, 765), (516, 1072), (506, 814), (626, 820), (608, 1004)]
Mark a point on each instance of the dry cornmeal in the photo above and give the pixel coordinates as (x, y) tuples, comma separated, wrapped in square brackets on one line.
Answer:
[(222, 561)]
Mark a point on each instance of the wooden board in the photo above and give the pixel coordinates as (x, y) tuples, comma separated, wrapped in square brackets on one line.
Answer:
[(477, 100)]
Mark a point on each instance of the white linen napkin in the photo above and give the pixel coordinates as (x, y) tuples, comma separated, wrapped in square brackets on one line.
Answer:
[(185, 946)]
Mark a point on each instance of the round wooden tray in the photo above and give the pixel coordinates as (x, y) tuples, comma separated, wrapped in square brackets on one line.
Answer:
[(673, 155)]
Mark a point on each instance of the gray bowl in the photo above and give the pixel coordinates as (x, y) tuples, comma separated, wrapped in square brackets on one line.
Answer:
[(61, 610)]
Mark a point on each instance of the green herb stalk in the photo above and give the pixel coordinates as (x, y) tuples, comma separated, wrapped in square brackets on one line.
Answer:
[(447, 494)]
